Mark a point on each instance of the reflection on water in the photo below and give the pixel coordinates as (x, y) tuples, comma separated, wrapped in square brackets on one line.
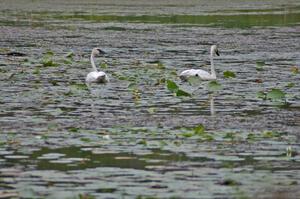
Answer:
[(212, 105), (74, 158), (228, 19)]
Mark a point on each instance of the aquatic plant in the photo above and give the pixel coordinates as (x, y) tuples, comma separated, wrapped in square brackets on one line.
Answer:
[(172, 86), (295, 70), (214, 86), (229, 74), (275, 95), (260, 65)]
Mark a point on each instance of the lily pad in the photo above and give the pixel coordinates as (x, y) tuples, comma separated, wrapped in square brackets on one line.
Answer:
[(260, 65), (172, 86), (180, 93), (70, 55), (275, 94), (214, 86), (229, 74), (261, 95)]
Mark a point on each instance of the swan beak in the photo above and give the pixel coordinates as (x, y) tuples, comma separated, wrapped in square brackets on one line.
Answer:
[(101, 52), (217, 53)]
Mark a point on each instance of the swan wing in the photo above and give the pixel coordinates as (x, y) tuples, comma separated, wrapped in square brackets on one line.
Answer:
[(202, 74), (184, 75)]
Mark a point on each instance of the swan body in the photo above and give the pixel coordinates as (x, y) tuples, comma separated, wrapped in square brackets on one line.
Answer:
[(202, 74), (96, 76)]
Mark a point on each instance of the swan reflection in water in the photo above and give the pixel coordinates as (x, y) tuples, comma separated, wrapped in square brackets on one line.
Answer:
[(212, 105)]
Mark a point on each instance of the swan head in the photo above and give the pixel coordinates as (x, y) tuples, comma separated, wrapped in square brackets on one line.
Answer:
[(97, 52), (214, 50)]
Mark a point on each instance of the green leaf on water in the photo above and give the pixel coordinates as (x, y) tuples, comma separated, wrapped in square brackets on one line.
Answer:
[(49, 53), (85, 139), (270, 134), (261, 95), (214, 86), (160, 65), (67, 61), (199, 129), (151, 110), (187, 134), (79, 86), (251, 137), (132, 85), (73, 129), (295, 70), (229, 135), (194, 80), (276, 94), (180, 93), (229, 74), (103, 65), (260, 65), (143, 142), (49, 63), (36, 71), (70, 55), (290, 85), (172, 86)]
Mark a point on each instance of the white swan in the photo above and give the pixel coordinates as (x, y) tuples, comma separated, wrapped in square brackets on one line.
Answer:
[(95, 76), (203, 75)]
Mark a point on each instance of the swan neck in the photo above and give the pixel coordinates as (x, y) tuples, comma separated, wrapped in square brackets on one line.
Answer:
[(93, 63), (212, 67)]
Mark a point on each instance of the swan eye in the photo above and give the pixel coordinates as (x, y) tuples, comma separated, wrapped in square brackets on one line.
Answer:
[(196, 75)]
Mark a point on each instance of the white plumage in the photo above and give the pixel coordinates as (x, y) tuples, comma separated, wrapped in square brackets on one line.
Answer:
[(203, 75), (96, 76)]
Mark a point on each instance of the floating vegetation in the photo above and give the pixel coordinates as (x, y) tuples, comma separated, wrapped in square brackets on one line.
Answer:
[(70, 55), (48, 60), (132, 137), (260, 65), (290, 85), (172, 86), (273, 95), (73, 129), (79, 86), (214, 86), (103, 65), (295, 70), (229, 74)]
